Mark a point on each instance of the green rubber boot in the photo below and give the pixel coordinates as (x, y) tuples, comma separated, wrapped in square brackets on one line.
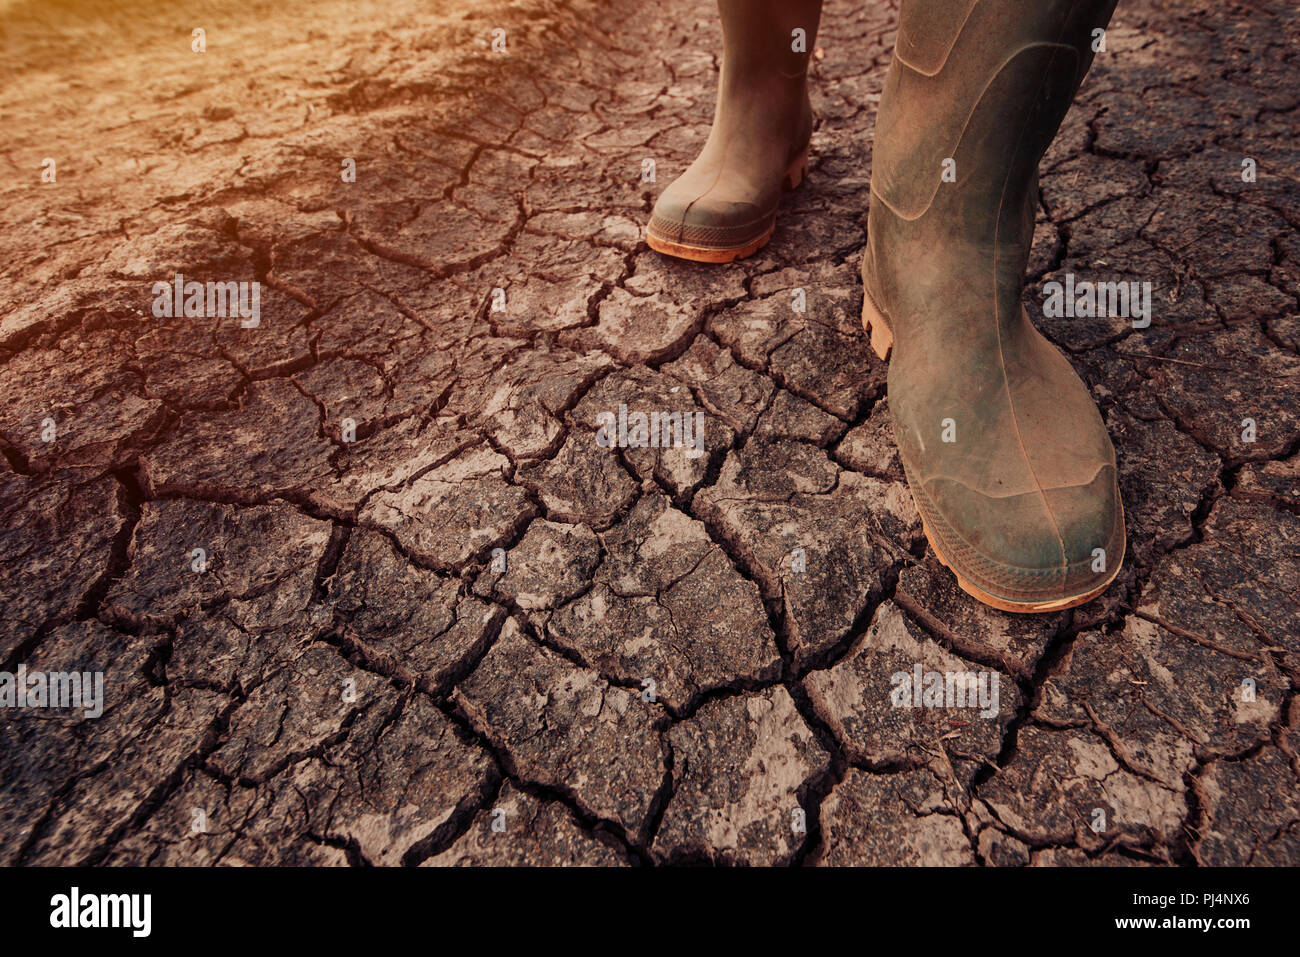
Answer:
[(724, 206), (1006, 455)]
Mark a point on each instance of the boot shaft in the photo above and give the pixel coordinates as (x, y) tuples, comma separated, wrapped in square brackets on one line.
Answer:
[(759, 37), (766, 46), (983, 84), (974, 96)]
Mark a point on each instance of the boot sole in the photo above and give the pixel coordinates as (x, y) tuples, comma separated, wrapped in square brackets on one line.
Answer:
[(794, 175), (882, 343)]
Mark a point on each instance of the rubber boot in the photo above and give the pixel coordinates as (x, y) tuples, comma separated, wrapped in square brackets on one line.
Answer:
[(723, 207), (1005, 453)]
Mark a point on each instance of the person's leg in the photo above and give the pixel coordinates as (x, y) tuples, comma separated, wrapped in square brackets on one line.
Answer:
[(1006, 455), (724, 205)]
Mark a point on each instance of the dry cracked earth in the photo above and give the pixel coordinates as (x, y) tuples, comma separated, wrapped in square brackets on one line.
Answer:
[(434, 641)]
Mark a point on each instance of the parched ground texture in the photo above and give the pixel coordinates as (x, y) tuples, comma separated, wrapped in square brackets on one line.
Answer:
[(468, 633)]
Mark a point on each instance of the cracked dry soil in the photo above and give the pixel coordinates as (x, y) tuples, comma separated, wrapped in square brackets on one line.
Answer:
[(354, 680)]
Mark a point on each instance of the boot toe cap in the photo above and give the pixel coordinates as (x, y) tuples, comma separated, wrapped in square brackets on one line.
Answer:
[(1035, 548), (708, 223)]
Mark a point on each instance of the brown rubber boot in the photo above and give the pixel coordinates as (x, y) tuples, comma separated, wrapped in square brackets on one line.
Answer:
[(1005, 452), (724, 206)]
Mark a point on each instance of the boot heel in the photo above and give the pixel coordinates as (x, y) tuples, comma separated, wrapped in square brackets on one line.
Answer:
[(796, 172), (874, 324)]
